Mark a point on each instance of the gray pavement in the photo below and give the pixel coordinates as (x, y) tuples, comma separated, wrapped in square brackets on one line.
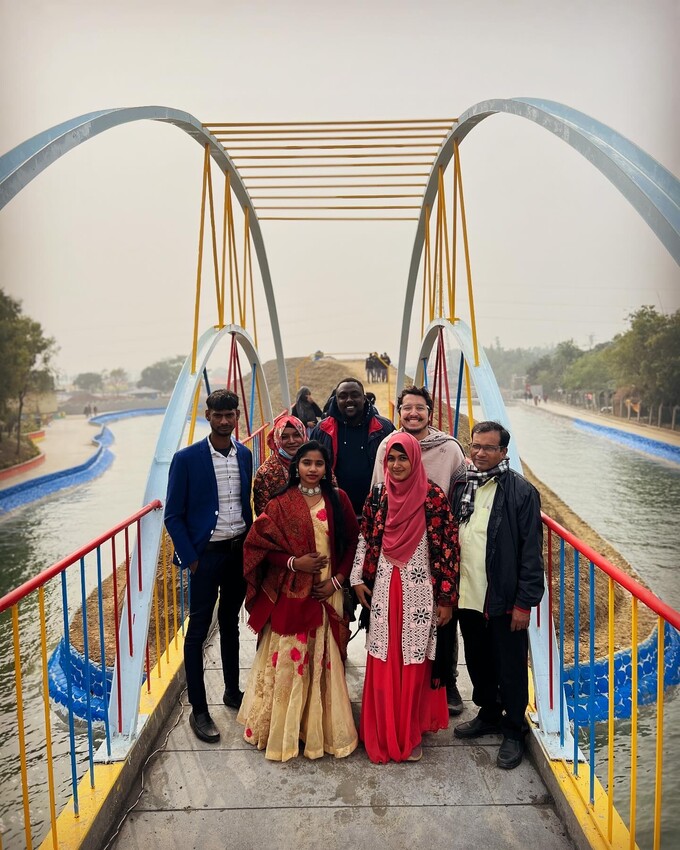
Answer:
[(204, 796), (67, 443), (630, 426)]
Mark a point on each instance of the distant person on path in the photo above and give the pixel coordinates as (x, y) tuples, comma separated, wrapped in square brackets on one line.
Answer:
[(501, 580), (306, 409), (297, 557), (444, 462), (370, 398), (207, 514), (406, 571), (285, 438), (351, 433)]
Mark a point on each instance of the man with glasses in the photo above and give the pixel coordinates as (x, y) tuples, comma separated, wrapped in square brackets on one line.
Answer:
[(444, 463), (501, 580)]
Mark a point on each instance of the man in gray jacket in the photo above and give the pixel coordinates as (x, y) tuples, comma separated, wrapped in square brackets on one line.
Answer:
[(444, 462)]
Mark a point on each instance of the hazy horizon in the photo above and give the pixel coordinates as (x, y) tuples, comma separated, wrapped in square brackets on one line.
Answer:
[(101, 247)]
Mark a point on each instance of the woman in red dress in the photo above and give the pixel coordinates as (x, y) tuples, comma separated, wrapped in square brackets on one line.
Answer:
[(406, 571)]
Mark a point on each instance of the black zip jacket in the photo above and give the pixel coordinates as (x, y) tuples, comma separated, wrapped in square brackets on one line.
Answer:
[(514, 545)]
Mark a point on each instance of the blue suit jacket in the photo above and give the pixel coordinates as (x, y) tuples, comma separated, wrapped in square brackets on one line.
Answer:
[(192, 504)]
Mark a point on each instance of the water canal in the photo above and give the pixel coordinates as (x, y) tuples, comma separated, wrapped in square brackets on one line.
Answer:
[(631, 499)]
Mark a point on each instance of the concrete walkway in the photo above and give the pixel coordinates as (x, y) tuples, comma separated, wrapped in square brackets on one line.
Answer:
[(629, 426), (229, 796), (67, 443)]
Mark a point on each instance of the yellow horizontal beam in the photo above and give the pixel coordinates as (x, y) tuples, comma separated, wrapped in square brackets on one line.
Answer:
[(412, 156), (343, 165), (348, 207), (237, 136), (445, 122), (326, 176), (335, 218), (325, 197), (334, 147), (304, 187)]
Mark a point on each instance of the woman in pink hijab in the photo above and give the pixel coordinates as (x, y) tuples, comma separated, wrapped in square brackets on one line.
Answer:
[(285, 438), (406, 573)]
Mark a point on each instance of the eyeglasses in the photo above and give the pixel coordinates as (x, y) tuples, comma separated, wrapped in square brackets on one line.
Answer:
[(419, 408), (475, 447)]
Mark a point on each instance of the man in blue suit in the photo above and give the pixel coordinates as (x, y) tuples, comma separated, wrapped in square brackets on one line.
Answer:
[(207, 514)]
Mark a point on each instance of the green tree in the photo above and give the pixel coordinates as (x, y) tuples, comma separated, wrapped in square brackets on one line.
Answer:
[(118, 380), (647, 357), (162, 376), (592, 371), (90, 382), (30, 365), (10, 311)]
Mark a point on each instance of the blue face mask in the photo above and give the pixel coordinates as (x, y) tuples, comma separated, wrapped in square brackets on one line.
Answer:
[(285, 454)]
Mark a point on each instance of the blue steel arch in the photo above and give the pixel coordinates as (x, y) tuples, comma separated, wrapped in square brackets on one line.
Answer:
[(130, 664), (650, 188), (26, 161)]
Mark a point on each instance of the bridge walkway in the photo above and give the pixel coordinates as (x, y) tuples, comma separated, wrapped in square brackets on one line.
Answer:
[(229, 796)]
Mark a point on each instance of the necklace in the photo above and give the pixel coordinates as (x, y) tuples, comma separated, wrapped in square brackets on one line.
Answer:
[(309, 491)]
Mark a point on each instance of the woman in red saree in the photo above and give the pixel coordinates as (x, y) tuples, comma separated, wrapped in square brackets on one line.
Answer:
[(406, 571), (296, 558)]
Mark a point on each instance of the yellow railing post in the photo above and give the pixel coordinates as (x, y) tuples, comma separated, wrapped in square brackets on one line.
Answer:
[(20, 725)]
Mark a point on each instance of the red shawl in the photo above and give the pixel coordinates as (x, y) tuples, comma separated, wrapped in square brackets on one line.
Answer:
[(276, 594)]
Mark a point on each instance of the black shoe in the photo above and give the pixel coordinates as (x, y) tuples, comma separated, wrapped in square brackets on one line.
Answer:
[(233, 699), (204, 728), (476, 728), (453, 700), (510, 753)]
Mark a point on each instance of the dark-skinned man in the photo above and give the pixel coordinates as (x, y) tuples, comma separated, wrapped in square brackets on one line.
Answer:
[(501, 580), (352, 432), (207, 514)]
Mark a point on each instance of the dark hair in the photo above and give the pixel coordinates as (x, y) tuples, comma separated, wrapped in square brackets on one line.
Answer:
[(327, 489), (222, 400), (421, 391), (398, 447), (350, 380), (486, 427)]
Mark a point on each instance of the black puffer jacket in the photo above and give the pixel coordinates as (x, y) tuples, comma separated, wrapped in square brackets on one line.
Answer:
[(514, 545)]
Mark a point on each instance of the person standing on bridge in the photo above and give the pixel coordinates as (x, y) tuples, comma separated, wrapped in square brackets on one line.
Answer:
[(444, 462), (207, 514), (297, 557), (501, 580), (406, 572), (285, 438), (351, 434), (306, 409)]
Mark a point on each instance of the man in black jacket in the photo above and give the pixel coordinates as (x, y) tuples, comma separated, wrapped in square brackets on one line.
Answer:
[(352, 432), (501, 580)]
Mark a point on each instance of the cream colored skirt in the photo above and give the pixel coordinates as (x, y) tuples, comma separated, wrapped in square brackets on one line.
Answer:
[(296, 692)]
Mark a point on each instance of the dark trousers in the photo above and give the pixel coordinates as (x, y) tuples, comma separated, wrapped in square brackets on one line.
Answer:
[(219, 573), (452, 650), (497, 663)]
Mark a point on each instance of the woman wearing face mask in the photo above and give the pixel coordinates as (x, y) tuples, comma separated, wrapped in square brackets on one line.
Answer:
[(296, 558), (285, 438), (406, 572)]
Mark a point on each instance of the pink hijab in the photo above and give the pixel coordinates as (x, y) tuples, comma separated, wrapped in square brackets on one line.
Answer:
[(405, 523), (281, 422)]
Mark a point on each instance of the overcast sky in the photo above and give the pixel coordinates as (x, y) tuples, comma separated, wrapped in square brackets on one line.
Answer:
[(101, 247)]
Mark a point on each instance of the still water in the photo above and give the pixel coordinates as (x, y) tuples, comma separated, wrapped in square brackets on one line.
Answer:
[(632, 500)]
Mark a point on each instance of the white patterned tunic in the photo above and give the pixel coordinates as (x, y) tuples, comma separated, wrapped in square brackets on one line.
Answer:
[(419, 629)]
